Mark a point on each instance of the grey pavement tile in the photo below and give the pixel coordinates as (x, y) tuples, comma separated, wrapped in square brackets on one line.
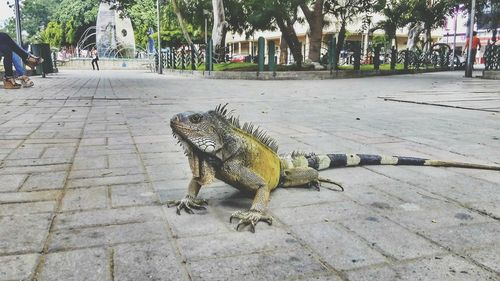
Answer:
[(131, 194), (236, 243), (19, 209), (92, 218), (292, 197), (85, 264), (338, 247), (491, 208), (18, 267), (489, 257), (200, 223), (94, 162), (42, 181), (124, 160), (18, 197), (95, 173), (391, 239), (470, 236), (35, 168), (15, 238), (155, 260), (11, 183), (99, 181), (276, 265), (65, 239), (85, 198), (422, 219), (314, 213)]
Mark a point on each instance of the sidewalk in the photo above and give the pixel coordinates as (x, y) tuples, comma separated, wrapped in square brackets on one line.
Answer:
[(88, 161)]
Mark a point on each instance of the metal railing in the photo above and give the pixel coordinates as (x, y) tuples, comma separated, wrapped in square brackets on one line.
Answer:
[(492, 57)]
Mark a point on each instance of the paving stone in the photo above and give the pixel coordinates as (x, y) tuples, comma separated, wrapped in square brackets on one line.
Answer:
[(128, 215), (18, 267), (124, 160), (11, 182), (200, 223), (236, 243), (442, 268), (292, 263), (469, 236), (106, 235), (100, 181), (433, 218), (54, 180), (341, 249), (391, 239), (131, 194), (17, 197), (85, 163), (489, 257), (321, 212), (147, 261), (16, 238), (85, 198), (14, 209), (85, 264)]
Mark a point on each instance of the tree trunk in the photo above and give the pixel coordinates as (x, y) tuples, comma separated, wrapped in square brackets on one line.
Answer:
[(315, 19), (180, 19), (340, 43), (283, 51), (288, 32), (219, 28)]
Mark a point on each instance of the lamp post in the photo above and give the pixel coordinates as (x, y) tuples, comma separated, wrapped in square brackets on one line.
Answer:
[(17, 11), (160, 70), (206, 13), (468, 69)]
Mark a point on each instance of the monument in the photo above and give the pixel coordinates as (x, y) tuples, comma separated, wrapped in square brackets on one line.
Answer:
[(114, 33)]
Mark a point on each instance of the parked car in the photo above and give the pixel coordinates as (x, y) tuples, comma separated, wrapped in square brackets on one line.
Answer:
[(238, 58)]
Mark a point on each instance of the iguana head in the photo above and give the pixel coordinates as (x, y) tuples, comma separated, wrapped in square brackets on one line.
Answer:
[(199, 130)]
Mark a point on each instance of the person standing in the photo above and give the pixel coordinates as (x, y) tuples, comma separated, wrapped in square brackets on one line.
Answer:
[(8, 47), (476, 44), (95, 58)]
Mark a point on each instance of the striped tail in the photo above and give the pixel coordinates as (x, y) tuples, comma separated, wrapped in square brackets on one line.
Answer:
[(326, 161)]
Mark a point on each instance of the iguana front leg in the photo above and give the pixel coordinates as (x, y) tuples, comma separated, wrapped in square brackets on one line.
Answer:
[(189, 202), (246, 178)]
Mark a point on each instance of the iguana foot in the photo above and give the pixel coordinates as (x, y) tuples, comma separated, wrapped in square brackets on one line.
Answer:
[(188, 203), (250, 217)]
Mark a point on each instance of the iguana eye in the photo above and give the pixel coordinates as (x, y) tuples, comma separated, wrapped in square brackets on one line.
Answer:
[(195, 118)]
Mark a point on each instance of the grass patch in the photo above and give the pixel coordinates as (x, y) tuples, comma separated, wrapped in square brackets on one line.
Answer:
[(247, 66)]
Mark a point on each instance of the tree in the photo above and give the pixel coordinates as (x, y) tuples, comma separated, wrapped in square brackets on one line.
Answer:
[(431, 14), (346, 11), (36, 14), (269, 15), (397, 15), (315, 17)]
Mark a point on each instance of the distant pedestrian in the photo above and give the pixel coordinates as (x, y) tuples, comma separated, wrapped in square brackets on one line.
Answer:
[(8, 47), (476, 45), (95, 59)]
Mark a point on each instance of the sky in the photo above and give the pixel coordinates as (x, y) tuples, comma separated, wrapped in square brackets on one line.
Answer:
[(5, 11)]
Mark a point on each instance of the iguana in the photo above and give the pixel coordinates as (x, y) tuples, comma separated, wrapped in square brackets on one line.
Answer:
[(244, 157)]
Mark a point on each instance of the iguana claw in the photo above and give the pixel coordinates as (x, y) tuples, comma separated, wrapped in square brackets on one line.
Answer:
[(251, 217), (188, 203)]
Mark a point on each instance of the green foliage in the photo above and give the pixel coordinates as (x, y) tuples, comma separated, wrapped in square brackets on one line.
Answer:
[(52, 34), (36, 14)]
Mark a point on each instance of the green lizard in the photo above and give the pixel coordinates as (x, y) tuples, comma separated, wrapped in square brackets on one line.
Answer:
[(217, 146)]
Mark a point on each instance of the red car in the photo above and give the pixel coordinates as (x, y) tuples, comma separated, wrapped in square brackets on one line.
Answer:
[(238, 58)]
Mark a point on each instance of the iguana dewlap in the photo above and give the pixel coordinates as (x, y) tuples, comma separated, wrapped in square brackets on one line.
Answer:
[(217, 146)]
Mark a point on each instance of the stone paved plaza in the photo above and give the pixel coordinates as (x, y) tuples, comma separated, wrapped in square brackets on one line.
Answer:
[(88, 161)]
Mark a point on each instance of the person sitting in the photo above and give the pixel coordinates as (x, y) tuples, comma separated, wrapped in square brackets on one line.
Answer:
[(8, 47)]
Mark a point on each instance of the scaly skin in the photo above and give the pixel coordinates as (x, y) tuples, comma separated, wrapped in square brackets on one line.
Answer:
[(245, 158)]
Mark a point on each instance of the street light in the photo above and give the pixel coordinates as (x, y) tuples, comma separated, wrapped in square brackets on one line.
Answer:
[(206, 14), (468, 69), (160, 70), (18, 21)]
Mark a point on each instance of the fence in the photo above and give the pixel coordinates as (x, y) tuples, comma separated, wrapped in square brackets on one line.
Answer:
[(492, 57), (438, 57)]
